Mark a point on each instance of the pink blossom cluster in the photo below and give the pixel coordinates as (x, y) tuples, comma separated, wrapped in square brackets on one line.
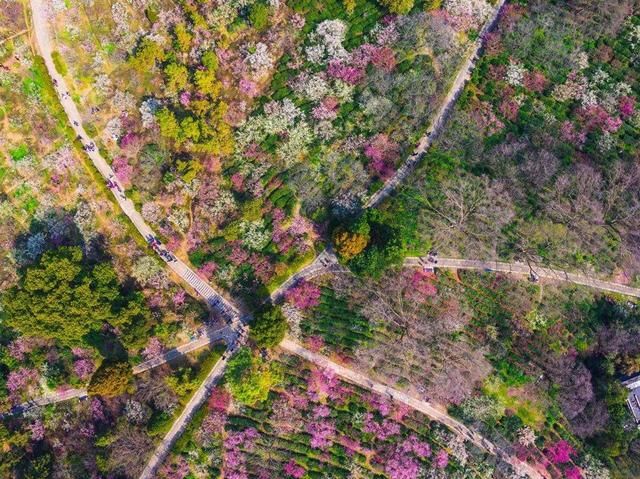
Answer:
[(414, 445), (569, 133), (322, 433), (327, 109), (179, 298), (19, 348), (213, 424), (185, 98), (383, 152), (595, 117), (381, 430), (441, 460), (534, 81), (37, 430), (323, 383), (20, 379), (175, 470), (573, 472), (129, 140), (83, 368), (219, 400), (509, 109), (626, 106), (560, 452), (379, 404), (315, 343), (238, 255), (293, 469), (483, 114), (263, 269), (304, 295), (294, 235), (401, 466), (207, 270), (88, 430), (234, 459), (154, 348), (237, 182), (420, 285), (321, 411), (348, 74), (122, 169), (249, 88), (97, 410)]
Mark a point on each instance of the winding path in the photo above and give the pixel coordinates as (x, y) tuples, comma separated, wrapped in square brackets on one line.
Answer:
[(39, 12), (430, 410), (523, 269), (441, 116)]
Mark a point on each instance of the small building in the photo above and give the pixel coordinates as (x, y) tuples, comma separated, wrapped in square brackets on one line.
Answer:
[(633, 400)]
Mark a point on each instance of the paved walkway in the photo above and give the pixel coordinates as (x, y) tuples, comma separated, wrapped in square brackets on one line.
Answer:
[(464, 74), (432, 411), (197, 399), (325, 261), (39, 11), (524, 269)]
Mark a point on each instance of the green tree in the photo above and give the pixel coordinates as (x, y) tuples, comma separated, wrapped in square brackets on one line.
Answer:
[(248, 377), (169, 127), (111, 379), (259, 16), (206, 82), (63, 297), (183, 37), (210, 61), (146, 55), (269, 327), (177, 77), (400, 7)]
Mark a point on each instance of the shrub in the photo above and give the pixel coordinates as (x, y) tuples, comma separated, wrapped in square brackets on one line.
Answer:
[(111, 379), (58, 62)]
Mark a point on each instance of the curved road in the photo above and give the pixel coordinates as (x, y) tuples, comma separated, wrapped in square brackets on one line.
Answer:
[(441, 116), (523, 269), (424, 407), (39, 13)]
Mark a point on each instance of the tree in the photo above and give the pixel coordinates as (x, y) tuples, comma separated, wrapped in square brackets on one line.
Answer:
[(146, 55), (259, 16), (269, 327), (248, 378), (169, 127), (111, 379), (401, 7), (349, 244), (177, 77), (183, 37), (62, 297)]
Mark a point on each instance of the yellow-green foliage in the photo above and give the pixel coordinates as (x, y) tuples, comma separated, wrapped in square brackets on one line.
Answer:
[(400, 7), (147, 55), (58, 62), (111, 379)]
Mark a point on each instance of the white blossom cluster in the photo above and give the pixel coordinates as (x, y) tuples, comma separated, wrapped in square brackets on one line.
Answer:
[(103, 84), (148, 110), (633, 37), (593, 468), (113, 129), (180, 219), (300, 137), (120, 18), (326, 42), (123, 101), (515, 73), (580, 59), (279, 117), (384, 34), (60, 160), (151, 212), (254, 235), (223, 206), (314, 87), (58, 5), (259, 58), (294, 318), (479, 10)]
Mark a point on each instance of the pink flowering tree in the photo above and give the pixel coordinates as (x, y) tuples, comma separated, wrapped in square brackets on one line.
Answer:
[(383, 153), (154, 348), (293, 469), (19, 381), (560, 452), (122, 169), (441, 460), (420, 285), (304, 295)]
